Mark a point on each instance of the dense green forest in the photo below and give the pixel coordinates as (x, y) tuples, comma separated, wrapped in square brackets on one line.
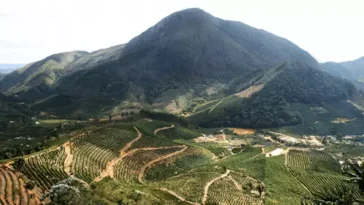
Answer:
[(270, 107)]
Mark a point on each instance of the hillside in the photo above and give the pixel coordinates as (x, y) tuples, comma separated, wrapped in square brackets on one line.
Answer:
[(35, 80), (177, 69), (271, 105), (352, 70), (12, 109), (155, 162), (168, 67)]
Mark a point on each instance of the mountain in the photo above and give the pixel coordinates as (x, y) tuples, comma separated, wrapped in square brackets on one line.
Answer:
[(36, 80), (2, 75), (168, 65), (352, 70), (191, 58)]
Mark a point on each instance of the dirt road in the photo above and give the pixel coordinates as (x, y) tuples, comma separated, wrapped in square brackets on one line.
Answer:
[(206, 188), (161, 158), (109, 170), (69, 157), (178, 196), (163, 128)]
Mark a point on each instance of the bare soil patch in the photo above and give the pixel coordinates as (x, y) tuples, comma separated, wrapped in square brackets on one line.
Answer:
[(249, 91)]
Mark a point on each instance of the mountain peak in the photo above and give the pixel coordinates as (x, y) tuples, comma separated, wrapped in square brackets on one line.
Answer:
[(185, 20)]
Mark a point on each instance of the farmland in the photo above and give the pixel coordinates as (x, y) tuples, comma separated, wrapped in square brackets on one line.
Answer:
[(163, 160)]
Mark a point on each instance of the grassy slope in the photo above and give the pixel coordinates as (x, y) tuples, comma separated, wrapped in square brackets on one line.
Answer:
[(320, 123)]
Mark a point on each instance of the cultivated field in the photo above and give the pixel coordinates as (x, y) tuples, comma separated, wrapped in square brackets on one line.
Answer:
[(147, 156)]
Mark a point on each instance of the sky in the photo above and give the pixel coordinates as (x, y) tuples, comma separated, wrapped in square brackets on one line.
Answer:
[(330, 30)]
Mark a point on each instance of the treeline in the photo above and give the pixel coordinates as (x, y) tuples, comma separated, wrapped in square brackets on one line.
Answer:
[(163, 116), (304, 84), (256, 112), (42, 138)]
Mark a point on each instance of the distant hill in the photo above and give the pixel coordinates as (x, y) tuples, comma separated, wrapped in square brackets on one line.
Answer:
[(352, 70), (37, 80), (34, 80)]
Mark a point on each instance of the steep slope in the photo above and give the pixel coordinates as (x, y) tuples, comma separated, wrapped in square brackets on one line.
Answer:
[(188, 54), (352, 70), (35, 79), (270, 106), (94, 59), (2, 75)]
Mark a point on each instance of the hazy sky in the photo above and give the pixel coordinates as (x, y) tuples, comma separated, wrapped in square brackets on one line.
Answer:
[(331, 30)]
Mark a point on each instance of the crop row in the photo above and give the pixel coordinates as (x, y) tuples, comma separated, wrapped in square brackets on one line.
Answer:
[(92, 152), (147, 141), (224, 191), (321, 183), (312, 160), (89, 161), (128, 169), (46, 168), (12, 189), (189, 159), (109, 138), (190, 185)]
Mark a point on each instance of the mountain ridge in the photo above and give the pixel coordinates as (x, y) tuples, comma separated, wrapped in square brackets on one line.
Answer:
[(185, 59), (352, 70)]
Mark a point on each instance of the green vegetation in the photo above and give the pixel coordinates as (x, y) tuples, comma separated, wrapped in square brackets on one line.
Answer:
[(190, 159), (252, 178), (318, 117), (271, 107), (317, 161), (46, 168), (35, 80), (219, 75)]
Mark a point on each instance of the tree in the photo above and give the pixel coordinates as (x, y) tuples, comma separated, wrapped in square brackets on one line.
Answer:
[(356, 175), (19, 163), (334, 196), (261, 189)]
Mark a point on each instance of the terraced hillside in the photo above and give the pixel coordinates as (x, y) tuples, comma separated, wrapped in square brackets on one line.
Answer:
[(301, 163), (142, 161), (13, 191)]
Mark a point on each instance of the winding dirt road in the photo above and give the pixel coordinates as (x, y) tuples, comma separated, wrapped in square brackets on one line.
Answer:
[(237, 185), (163, 128), (109, 170), (208, 184), (161, 158), (178, 196), (69, 157)]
